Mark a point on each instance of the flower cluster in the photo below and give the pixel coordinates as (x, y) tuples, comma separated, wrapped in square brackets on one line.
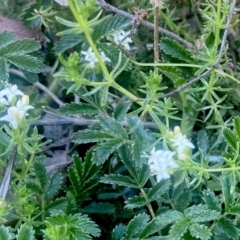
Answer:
[(160, 161), (120, 38), (18, 107), (180, 143), (91, 57)]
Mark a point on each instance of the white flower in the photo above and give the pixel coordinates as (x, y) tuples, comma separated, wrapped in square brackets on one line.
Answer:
[(119, 37), (160, 161), (91, 57), (16, 113), (22, 105), (104, 57), (11, 92), (13, 117), (180, 142), (3, 100)]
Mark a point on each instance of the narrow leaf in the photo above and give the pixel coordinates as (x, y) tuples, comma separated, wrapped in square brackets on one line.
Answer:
[(230, 138), (78, 109), (119, 180), (236, 123), (54, 185)]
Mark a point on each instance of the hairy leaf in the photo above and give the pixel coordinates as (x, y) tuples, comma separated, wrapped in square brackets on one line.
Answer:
[(178, 229), (200, 231), (54, 185), (227, 226), (119, 180), (211, 200), (41, 173), (5, 233), (25, 232), (78, 109)]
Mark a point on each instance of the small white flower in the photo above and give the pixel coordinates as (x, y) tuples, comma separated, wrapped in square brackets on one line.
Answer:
[(160, 161), (180, 142), (22, 105), (13, 117), (104, 57), (11, 92), (119, 38), (91, 57), (3, 100)]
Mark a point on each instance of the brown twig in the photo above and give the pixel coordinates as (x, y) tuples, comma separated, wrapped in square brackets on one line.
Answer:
[(219, 57), (110, 8)]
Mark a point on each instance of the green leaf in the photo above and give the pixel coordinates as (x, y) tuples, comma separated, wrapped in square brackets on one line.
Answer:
[(57, 204), (230, 137), (99, 208), (236, 123), (178, 229), (211, 200), (228, 196), (118, 232), (5, 233), (235, 210), (25, 232), (227, 226), (3, 69), (78, 109), (121, 110), (135, 202), (41, 173), (112, 53), (110, 124), (168, 217), (103, 150), (136, 225), (119, 180), (20, 47), (88, 136), (67, 42), (54, 185), (158, 190), (6, 38), (26, 62), (111, 24), (200, 231), (200, 213), (175, 50), (183, 200)]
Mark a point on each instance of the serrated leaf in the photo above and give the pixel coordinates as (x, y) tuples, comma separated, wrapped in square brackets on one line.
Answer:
[(121, 110), (136, 225), (26, 62), (236, 124), (57, 204), (111, 24), (103, 150), (228, 197), (143, 174), (235, 210), (183, 200), (6, 38), (67, 42), (110, 124), (118, 231), (54, 185), (25, 232), (41, 173), (20, 47), (34, 187), (200, 231), (78, 109), (178, 229), (3, 70), (227, 226), (168, 217), (112, 53), (211, 200), (99, 208), (119, 180), (175, 50), (135, 202), (88, 136), (158, 190), (200, 213), (5, 233), (230, 137)]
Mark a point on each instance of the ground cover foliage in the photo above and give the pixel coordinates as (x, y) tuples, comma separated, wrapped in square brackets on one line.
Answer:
[(144, 130)]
